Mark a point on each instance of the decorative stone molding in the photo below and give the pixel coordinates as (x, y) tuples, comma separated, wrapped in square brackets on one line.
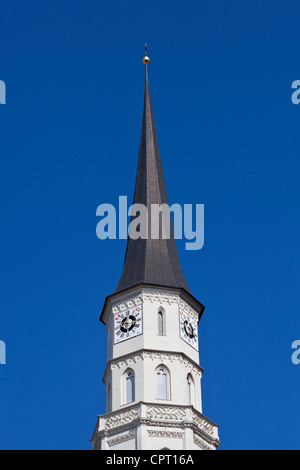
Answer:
[(127, 360), (172, 357), (161, 421), (201, 443), (169, 413), (126, 304), (203, 424), (160, 433), (162, 356), (163, 297), (122, 438), (121, 418)]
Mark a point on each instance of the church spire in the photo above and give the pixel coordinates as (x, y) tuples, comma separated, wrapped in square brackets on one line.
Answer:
[(151, 261), (152, 377)]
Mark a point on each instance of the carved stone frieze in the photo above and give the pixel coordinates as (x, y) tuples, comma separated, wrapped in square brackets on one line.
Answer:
[(165, 413), (121, 438), (201, 443), (162, 297), (161, 433), (169, 298), (127, 361), (126, 304), (121, 418), (156, 355), (203, 424), (161, 421)]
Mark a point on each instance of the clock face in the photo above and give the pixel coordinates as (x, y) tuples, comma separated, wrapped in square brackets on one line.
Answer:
[(188, 329), (128, 324)]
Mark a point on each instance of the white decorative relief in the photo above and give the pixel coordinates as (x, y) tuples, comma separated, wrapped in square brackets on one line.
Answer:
[(119, 419), (125, 305), (201, 443), (155, 355), (161, 297), (203, 424), (122, 438), (160, 433), (169, 413), (168, 421), (169, 298), (127, 361)]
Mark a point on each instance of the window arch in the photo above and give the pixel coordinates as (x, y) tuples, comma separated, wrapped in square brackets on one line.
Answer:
[(128, 386), (162, 383), (190, 390), (161, 322)]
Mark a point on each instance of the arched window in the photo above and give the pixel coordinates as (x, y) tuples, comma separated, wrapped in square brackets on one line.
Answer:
[(161, 322), (163, 388), (129, 386), (190, 390)]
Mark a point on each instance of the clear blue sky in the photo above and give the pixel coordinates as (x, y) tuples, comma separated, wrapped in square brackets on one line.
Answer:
[(220, 78)]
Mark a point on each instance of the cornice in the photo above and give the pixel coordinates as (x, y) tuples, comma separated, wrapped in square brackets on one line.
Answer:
[(163, 416), (147, 289), (142, 354)]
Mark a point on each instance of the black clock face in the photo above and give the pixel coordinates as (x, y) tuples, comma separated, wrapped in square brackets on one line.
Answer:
[(127, 324), (189, 330)]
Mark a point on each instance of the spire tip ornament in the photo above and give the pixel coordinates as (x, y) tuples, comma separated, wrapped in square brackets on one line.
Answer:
[(146, 59)]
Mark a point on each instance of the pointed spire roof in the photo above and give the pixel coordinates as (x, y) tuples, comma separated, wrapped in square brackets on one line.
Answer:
[(151, 261)]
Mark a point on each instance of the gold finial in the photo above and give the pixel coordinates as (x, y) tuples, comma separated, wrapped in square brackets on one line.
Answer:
[(146, 59)]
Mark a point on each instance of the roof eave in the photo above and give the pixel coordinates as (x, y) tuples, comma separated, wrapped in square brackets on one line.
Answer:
[(198, 305)]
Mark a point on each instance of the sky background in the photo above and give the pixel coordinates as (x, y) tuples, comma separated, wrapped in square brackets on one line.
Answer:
[(220, 78)]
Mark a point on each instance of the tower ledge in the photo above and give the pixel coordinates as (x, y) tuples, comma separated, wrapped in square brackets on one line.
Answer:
[(151, 422), (117, 297)]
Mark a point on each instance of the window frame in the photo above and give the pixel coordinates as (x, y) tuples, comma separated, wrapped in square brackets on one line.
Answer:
[(167, 394)]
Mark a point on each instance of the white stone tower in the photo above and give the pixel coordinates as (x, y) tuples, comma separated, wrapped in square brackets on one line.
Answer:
[(153, 377)]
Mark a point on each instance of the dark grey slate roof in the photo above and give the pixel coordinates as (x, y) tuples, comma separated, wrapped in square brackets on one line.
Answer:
[(151, 261)]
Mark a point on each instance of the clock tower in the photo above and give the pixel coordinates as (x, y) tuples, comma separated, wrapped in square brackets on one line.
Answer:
[(153, 376)]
